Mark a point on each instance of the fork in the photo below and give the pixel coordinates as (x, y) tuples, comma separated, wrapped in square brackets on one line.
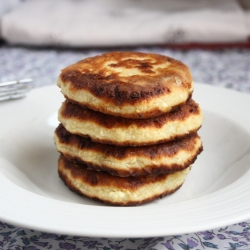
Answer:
[(15, 89)]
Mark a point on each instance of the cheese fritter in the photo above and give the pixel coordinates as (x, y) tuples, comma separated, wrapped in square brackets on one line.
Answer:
[(127, 84), (109, 129), (114, 190), (129, 161)]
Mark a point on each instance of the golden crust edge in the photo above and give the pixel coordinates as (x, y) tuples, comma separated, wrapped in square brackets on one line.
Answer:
[(120, 201)]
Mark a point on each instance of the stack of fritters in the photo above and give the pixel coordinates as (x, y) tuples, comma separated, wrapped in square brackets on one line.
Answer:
[(128, 131)]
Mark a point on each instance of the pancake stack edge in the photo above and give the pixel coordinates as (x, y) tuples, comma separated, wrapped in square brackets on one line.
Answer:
[(128, 127)]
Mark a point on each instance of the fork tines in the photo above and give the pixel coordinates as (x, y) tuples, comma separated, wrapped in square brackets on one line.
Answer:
[(15, 89)]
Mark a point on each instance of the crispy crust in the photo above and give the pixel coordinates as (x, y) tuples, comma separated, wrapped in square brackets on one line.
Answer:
[(122, 191), (127, 84), (130, 161), (120, 131)]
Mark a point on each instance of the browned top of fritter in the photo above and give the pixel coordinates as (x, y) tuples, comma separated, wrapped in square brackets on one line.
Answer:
[(98, 178), (170, 148), (128, 77), (180, 113), (153, 152)]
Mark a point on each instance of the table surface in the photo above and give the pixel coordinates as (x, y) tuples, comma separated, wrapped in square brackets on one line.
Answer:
[(226, 67)]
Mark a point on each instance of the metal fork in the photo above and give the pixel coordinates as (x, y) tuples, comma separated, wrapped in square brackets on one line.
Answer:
[(15, 89)]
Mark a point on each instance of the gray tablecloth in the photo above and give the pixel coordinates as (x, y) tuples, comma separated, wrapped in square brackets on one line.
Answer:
[(226, 67)]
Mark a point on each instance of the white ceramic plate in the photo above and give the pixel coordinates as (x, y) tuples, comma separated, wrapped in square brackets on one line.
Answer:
[(215, 193)]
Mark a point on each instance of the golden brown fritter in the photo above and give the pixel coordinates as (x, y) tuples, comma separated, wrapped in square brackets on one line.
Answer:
[(129, 161), (181, 121), (114, 190), (127, 84)]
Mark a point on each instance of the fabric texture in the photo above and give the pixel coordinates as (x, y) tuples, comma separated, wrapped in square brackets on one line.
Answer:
[(234, 237), (125, 22)]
